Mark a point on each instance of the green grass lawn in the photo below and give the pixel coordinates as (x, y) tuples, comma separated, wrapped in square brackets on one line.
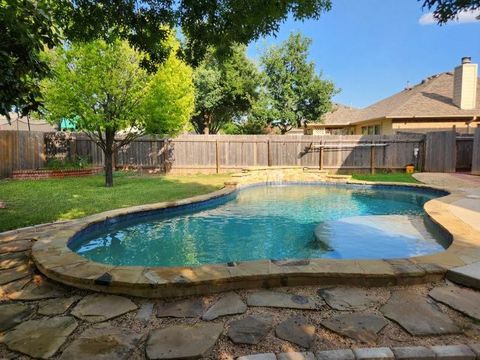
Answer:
[(31, 202), (391, 177)]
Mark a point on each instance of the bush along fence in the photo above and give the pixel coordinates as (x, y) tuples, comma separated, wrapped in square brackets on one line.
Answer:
[(442, 151)]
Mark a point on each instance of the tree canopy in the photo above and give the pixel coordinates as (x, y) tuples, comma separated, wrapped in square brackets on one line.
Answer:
[(296, 93), (28, 25), (225, 89), (446, 10), (103, 86)]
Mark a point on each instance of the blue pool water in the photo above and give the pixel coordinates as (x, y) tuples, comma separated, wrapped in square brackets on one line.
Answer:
[(270, 222)]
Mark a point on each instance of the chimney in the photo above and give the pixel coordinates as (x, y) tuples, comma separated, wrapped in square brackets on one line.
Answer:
[(465, 84)]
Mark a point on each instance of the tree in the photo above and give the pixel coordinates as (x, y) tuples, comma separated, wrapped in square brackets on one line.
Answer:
[(26, 28), (30, 24), (296, 93), (225, 90), (113, 98), (446, 10)]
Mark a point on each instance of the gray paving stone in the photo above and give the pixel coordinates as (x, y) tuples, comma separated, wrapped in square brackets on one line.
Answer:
[(377, 353), (16, 273), (229, 304), (296, 330), (13, 314), (37, 291), (362, 327), (475, 348), (102, 343), (249, 330), (183, 341), (453, 352), (413, 353), (296, 356), (100, 307), (349, 298), (341, 354), (418, 315), (267, 298), (468, 275), (145, 312), (266, 356), (188, 308), (11, 260), (14, 286), (40, 338), (464, 300), (15, 246), (56, 306)]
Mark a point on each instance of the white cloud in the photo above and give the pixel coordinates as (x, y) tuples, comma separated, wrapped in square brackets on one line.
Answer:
[(462, 18)]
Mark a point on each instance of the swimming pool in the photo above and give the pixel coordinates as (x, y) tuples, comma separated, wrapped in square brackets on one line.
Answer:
[(295, 221)]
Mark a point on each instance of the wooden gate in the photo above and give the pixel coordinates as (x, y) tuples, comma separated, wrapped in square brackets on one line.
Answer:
[(476, 153), (440, 151), (464, 153)]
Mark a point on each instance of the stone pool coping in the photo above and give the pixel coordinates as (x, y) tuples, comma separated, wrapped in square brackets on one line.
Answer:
[(56, 261)]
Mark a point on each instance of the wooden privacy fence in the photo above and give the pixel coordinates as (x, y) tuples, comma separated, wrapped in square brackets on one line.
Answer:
[(21, 150), (438, 151)]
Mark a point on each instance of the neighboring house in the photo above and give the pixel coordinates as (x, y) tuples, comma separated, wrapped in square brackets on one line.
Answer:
[(22, 124), (438, 103)]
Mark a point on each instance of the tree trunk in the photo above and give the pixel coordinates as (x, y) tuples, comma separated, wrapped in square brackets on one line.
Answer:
[(109, 141)]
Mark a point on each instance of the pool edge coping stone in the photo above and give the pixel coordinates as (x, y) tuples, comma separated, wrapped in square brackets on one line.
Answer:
[(55, 260)]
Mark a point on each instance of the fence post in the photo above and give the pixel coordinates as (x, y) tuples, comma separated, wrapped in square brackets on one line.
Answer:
[(372, 159), (320, 158), (269, 155), (217, 156)]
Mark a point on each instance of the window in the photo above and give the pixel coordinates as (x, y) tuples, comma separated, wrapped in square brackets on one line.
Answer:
[(371, 130)]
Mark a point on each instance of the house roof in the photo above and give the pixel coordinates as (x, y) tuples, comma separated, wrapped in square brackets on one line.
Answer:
[(21, 124), (433, 97)]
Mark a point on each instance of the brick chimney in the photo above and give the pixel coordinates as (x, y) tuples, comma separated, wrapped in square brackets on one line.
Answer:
[(465, 79)]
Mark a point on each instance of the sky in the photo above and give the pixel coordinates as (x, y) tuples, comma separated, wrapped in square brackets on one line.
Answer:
[(372, 49)]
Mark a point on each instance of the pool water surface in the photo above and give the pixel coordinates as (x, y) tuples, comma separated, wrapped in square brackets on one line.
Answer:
[(271, 222)]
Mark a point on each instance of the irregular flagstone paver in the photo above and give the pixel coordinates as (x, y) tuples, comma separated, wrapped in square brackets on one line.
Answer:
[(56, 306), (40, 338), (13, 314), (13, 274), (296, 330), (230, 304), (268, 298), (188, 308), (296, 356), (249, 330), (11, 260), (144, 313), (35, 291), (341, 354), (14, 286), (183, 341), (15, 246), (468, 275), (413, 353), (98, 343), (266, 356), (362, 327), (417, 315), (464, 300), (100, 307), (342, 298), (380, 353), (448, 352)]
